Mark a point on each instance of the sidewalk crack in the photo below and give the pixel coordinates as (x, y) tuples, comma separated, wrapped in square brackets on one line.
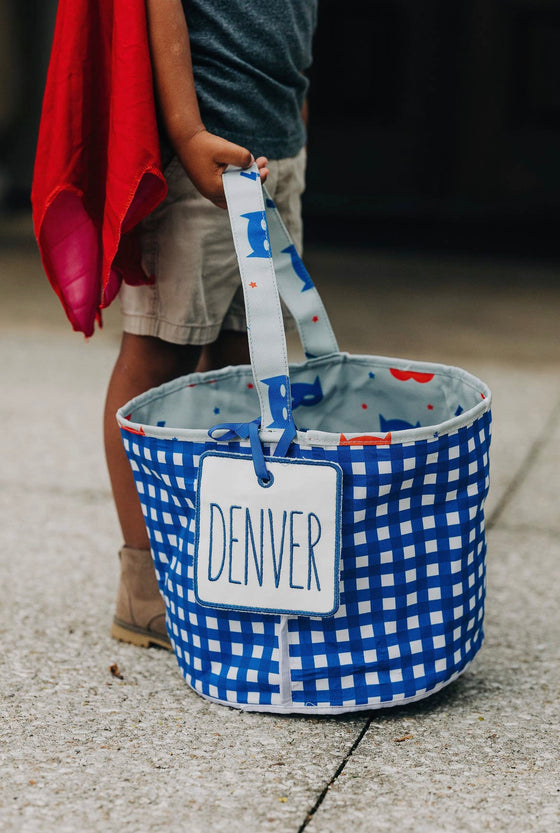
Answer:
[(336, 775), (528, 463)]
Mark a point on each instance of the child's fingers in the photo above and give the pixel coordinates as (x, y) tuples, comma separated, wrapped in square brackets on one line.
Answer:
[(227, 153), (262, 165), (235, 155)]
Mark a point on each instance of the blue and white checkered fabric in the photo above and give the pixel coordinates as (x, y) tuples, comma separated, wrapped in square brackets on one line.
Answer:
[(413, 545), (412, 578)]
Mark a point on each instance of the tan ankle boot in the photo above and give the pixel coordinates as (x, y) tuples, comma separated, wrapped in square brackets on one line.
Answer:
[(140, 611)]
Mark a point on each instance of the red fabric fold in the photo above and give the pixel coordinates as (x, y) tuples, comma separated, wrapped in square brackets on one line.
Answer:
[(98, 166)]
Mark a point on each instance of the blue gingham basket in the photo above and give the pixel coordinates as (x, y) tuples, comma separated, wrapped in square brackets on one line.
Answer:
[(412, 441)]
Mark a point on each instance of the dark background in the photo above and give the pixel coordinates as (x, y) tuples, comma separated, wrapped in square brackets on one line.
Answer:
[(437, 121), (432, 122)]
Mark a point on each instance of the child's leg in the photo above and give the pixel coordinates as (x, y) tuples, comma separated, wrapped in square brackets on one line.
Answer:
[(143, 362), (231, 347)]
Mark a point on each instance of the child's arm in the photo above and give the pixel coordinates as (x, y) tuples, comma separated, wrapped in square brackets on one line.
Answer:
[(203, 155)]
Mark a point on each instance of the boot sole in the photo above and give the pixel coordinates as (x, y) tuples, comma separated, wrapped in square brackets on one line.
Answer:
[(124, 632)]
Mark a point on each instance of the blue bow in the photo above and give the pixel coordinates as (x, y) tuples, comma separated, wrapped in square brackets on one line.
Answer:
[(250, 431)]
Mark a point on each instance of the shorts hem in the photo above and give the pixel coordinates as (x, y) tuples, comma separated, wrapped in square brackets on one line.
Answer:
[(235, 322), (142, 325)]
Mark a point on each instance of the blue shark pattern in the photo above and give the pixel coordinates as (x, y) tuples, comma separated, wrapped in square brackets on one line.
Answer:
[(304, 393), (250, 175), (270, 203), (278, 387), (395, 424), (299, 268), (257, 235)]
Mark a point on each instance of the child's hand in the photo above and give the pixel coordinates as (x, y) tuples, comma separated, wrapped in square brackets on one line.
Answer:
[(205, 157)]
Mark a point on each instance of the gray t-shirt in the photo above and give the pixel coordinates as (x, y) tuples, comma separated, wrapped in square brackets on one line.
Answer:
[(249, 57)]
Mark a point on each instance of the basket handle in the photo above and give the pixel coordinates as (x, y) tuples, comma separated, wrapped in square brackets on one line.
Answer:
[(259, 254), (297, 290)]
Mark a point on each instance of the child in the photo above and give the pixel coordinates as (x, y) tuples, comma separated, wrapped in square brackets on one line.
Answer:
[(230, 87)]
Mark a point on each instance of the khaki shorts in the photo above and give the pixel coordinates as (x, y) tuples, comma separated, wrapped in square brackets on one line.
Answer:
[(187, 247)]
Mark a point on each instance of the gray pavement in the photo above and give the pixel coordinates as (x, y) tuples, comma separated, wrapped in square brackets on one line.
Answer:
[(83, 750)]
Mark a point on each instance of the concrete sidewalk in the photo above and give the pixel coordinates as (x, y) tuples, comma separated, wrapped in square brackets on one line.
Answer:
[(83, 750)]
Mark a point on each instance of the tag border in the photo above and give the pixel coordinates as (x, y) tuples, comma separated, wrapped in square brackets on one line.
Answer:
[(338, 536)]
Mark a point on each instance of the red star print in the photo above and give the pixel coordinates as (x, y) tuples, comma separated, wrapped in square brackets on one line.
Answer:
[(364, 406), (315, 319), (252, 284)]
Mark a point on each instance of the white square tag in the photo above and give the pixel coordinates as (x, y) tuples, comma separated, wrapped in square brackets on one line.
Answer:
[(273, 548)]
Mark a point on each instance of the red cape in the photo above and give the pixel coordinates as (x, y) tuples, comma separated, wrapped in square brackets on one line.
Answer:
[(98, 168)]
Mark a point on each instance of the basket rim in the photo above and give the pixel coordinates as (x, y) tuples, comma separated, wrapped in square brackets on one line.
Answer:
[(314, 437)]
